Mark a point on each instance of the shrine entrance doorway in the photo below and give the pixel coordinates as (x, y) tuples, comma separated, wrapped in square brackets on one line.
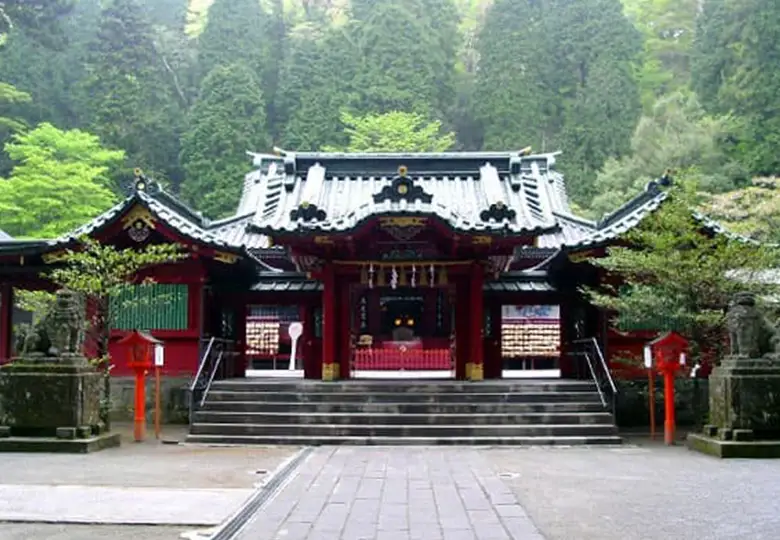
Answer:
[(402, 333)]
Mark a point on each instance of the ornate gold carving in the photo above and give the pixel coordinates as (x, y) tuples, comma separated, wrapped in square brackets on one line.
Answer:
[(402, 171), (406, 221), (482, 240), (54, 256), (139, 213), (227, 258), (323, 240), (330, 372), (477, 372)]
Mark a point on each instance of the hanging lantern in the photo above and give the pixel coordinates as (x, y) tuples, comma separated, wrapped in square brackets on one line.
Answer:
[(414, 276), (371, 276), (393, 278), (443, 276), (433, 275)]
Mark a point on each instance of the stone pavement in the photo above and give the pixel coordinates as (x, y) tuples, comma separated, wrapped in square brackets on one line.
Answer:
[(138, 483), (645, 491), (384, 493)]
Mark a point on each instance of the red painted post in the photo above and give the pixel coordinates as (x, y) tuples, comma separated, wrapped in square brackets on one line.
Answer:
[(476, 306), (139, 418), (669, 420), (329, 325)]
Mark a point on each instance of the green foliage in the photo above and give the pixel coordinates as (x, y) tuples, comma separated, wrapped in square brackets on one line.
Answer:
[(61, 181), (753, 210), (99, 272), (545, 69), (670, 266), (313, 87), (668, 27), (9, 97), (735, 71), (394, 132), (676, 134), (132, 101), (227, 120), (39, 17), (405, 54), (36, 302)]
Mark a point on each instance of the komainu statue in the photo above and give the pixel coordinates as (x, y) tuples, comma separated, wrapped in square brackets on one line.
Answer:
[(750, 333), (61, 330)]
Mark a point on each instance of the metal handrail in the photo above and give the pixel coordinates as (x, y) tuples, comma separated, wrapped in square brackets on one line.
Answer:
[(202, 364), (211, 378), (604, 365), (595, 379)]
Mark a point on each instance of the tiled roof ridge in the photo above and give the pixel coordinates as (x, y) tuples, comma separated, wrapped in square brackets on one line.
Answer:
[(652, 191), (579, 220)]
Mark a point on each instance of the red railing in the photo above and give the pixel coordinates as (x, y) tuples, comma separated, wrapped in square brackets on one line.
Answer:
[(402, 359)]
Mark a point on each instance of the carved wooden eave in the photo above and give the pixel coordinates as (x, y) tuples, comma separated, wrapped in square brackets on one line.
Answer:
[(227, 258), (402, 188), (139, 214)]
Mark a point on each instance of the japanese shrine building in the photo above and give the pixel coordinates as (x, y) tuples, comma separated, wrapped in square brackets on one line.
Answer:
[(455, 262)]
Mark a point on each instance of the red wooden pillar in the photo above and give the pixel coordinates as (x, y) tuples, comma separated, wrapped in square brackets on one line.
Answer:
[(476, 370), (329, 323), (345, 329), (462, 317), (6, 321)]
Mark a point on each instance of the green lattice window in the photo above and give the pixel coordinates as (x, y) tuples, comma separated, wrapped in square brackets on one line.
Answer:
[(151, 307)]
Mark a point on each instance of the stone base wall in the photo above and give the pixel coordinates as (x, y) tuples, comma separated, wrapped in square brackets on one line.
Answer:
[(174, 401), (691, 397)]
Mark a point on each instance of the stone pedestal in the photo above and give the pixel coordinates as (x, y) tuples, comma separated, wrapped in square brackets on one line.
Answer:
[(51, 401), (744, 409), (745, 397)]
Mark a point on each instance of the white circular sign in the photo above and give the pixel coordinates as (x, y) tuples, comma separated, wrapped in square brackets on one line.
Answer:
[(295, 330)]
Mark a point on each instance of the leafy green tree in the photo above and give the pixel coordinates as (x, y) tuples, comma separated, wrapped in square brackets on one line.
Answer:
[(39, 17), (752, 211), (61, 181), (676, 134), (132, 101), (668, 27), (735, 63), (100, 272), (10, 98), (227, 120), (674, 276), (405, 53), (394, 132), (313, 87), (545, 69)]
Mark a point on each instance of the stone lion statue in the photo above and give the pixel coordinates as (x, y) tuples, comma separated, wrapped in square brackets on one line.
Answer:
[(751, 334), (61, 330)]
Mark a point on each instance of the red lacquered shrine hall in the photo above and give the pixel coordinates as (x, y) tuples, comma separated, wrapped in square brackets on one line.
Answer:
[(464, 263)]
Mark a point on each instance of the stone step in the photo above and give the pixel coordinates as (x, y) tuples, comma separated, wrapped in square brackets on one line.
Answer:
[(401, 408), (403, 386), (209, 417), (305, 440), (435, 431), (402, 398)]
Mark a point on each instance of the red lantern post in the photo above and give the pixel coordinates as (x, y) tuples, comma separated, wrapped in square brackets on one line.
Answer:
[(140, 355), (669, 355)]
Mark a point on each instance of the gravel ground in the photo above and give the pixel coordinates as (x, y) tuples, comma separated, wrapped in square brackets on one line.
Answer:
[(642, 492)]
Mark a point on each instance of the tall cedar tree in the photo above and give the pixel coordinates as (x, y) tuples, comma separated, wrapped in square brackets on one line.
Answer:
[(405, 53), (227, 120), (735, 70), (314, 87), (559, 75), (243, 31), (132, 100)]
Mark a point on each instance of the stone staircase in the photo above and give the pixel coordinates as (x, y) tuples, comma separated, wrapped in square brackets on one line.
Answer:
[(403, 412)]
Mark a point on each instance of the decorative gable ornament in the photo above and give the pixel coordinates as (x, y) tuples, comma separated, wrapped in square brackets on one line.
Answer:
[(308, 212), (402, 188), (499, 212)]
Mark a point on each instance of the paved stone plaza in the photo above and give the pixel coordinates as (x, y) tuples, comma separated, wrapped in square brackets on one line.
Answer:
[(392, 493), (636, 492)]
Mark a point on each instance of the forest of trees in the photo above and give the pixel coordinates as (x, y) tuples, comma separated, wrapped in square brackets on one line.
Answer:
[(90, 89)]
